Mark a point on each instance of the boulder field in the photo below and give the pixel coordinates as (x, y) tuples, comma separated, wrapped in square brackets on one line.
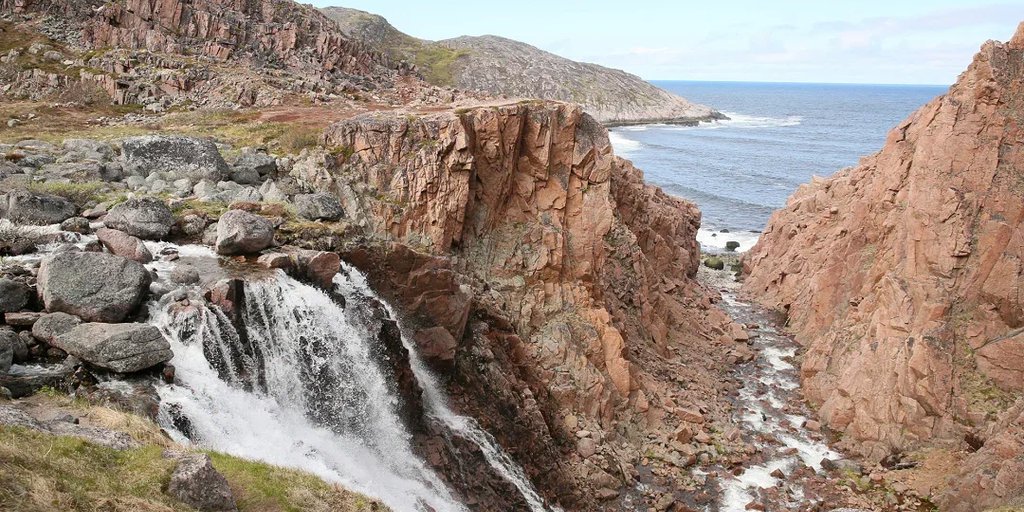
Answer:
[(902, 278)]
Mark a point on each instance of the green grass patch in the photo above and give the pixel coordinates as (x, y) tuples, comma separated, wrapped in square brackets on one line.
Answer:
[(78, 193), (436, 61)]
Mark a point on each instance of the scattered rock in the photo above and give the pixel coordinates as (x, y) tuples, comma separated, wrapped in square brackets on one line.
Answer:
[(436, 345), (240, 232), (714, 263), (732, 245), (76, 225), (146, 218), (23, 207), (320, 206), (691, 415), (185, 274), (52, 325), (97, 287), (196, 483), (195, 158), (14, 295), (22, 318), (262, 163), (123, 348), (125, 245)]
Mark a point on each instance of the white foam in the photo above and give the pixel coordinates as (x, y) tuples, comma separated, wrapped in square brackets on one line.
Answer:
[(737, 120), (715, 240), (623, 146)]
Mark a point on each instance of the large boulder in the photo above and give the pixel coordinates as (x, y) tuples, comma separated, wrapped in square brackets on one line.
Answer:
[(144, 217), (258, 161), (319, 206), (97, 287), (23, 207), (77, 150), (14, 295), (125, 245), (194, 158), (123, 348), (241, 232), (197, 484)]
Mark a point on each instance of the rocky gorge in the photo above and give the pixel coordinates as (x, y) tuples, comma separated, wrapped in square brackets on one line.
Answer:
[(445, 300)]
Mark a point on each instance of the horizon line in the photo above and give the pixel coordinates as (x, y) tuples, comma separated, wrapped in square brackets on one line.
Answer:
[(794, 82)]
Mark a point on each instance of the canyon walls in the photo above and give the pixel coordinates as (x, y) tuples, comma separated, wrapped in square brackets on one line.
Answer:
[(564, 285), (902, 275)]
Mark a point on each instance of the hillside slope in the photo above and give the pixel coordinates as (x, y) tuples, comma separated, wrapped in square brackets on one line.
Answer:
[(504, 67)]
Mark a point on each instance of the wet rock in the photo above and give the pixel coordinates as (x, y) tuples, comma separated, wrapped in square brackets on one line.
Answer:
[(812, 425), (320, 206), (192, 225), (778, 474), (76, 225), (185, 274), (8, 338), (14, 295), (275, 260), (123, 348), (240, 232), (125, 245), (731, 246), (195, 158), (52, 325), (146, 218), (436, 345), (196, 483), (69, 282), (23, 207)]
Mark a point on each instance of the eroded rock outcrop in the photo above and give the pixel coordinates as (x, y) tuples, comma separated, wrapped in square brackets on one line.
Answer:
[(902, 275), (562, 277)]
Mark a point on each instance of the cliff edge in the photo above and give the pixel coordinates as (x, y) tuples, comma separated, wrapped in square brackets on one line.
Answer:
[(902, 276)]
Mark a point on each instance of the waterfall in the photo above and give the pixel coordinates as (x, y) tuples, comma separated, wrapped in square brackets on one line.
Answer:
[(299, 387), (353, 283), (301, 391)]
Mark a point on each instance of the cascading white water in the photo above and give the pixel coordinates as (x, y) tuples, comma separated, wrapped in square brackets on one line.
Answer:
[(300, 389), (352, 283)]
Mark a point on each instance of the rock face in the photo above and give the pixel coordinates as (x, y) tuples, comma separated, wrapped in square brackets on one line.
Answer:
[(23, 207), (241, 232), (296, 48), (123, 348), (587, 270), (96, 287), (146, 218), (902, 275), (501, 66), (196, 483), (194, 158)]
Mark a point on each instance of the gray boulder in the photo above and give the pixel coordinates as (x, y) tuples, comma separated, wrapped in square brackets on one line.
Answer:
[(145, 217), (257, 161), (184, 274), (97, 287), (76, 225), (23, 207), (196, 483), (77, 150), (123, 348), (319, 206), (241, 232), (191, 157), (14, 295), (52, 325), (245, 176), (8, 338), (123, 244)]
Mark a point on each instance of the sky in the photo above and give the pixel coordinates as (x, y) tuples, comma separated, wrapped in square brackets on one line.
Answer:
[(831, 41)]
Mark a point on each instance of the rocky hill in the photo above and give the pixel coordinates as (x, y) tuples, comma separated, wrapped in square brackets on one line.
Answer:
[(902, 277), (504, 67)]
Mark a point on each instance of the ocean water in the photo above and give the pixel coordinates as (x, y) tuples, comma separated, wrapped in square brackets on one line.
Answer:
[(779, 136)]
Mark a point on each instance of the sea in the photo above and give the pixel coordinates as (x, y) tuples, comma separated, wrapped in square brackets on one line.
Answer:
[(778, 136)]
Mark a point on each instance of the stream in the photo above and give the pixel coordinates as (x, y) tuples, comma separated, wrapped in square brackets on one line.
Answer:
[(772, 414)]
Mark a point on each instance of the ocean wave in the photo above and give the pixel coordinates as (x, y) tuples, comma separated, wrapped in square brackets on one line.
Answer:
[(714, 240), (737, 120), (622, 145)]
